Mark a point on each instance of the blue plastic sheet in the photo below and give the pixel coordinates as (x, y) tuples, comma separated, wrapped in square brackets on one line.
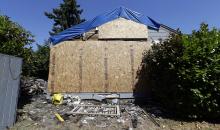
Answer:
[(121, 12)]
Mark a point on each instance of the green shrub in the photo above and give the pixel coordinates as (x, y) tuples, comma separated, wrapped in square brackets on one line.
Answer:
[(16, 41), (40, 63), (185, 73)]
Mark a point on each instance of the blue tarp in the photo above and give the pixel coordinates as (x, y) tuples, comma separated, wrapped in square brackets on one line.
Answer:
[(86, 26)]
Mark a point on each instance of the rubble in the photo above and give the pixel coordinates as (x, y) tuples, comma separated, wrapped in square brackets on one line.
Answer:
[(105, 110), (39, 113), (33, 86), (76, 113), (59, 117), (115, 101), (43, 114), (71, 100)]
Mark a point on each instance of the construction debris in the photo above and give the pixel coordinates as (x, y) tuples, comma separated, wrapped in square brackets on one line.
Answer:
[(36, 111), (106, 110), (57, 99), (32, 86), (115, 101), (59, 117), (86, 114), (71, 100), (77, 113)]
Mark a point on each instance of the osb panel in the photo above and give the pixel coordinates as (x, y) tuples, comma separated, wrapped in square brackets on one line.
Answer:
[(119, 66), (66, 76), (123, 29), (51, 77), (95, 66)]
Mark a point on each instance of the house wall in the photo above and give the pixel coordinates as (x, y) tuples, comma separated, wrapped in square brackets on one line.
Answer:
[(156, 35), (95, 66), (104, 62), (111, 30)]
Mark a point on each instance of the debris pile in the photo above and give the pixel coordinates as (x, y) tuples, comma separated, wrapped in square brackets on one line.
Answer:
[(71, 100), (105, 110), (33, 86), (86, 115), (66, 110)]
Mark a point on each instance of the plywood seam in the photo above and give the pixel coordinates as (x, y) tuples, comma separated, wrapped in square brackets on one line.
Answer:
[(106, 69), (132, 64)]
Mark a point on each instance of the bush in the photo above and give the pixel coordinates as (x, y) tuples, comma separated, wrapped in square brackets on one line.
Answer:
[(16, 41), (40, 63), (185, 71)]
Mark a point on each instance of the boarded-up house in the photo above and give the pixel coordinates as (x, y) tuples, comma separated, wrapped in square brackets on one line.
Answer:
[(103, 55)]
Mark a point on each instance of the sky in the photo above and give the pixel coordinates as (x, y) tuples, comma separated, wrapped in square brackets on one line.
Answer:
[(184, 14)]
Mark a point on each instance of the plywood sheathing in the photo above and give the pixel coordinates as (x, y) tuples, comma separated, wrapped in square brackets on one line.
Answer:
[(95, 66), (123, 29)]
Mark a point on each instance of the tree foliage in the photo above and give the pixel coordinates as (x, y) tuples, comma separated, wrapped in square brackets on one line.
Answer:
[(65, 16), (16, 41), (40, 64), (185, 73)]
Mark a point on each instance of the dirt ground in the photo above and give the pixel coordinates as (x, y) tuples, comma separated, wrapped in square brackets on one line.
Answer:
[(38, 114)]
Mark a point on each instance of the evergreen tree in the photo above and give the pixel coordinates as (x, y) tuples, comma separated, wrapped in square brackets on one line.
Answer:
[(65, 16)]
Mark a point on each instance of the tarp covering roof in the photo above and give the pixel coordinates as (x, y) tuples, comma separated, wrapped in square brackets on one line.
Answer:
[(86, 26)]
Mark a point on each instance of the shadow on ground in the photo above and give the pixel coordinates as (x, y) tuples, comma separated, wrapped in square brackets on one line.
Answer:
[(24, 96)]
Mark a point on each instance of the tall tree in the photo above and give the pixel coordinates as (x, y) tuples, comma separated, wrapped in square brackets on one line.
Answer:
[(65, 16)]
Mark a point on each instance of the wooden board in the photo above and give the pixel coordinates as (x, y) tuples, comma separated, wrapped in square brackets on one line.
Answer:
[(95, 66), (119, 66), (123, 29)]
